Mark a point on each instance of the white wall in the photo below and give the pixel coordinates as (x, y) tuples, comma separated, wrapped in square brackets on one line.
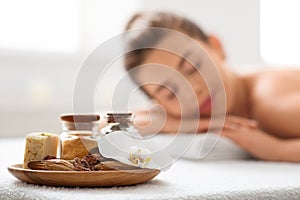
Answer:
[(35, 87)]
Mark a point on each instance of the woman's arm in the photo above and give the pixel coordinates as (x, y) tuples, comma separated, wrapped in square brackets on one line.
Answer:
[(291, 150), (155, 121), (264, 146)]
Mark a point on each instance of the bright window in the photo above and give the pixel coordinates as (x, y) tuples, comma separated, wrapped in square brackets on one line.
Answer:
[(34, 25), (280, 31)]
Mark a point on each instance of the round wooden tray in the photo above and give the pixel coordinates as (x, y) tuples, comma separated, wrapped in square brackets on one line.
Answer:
[(83, 178)]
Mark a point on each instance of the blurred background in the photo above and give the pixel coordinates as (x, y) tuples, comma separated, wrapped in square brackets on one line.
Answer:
[(44, 43)]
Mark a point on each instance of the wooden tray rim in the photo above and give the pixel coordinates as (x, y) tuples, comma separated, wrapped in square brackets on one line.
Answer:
[(19, 167)]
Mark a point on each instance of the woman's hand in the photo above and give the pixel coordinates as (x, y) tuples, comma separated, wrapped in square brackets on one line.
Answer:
[(258, 143)]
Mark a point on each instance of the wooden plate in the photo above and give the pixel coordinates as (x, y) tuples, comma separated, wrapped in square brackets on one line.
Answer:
[(83, 178)]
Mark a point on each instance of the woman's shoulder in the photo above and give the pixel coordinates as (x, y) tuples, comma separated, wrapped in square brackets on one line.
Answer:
[(274, 83), (274, 99)]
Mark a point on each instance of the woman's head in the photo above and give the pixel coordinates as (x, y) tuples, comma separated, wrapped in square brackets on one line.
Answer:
[(159, 20), (167, 93)]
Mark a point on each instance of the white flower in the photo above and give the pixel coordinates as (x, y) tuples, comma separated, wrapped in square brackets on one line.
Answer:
[(139, 156), (134, 150)]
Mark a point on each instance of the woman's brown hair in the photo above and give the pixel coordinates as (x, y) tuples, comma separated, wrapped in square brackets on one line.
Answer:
[(158, 20)]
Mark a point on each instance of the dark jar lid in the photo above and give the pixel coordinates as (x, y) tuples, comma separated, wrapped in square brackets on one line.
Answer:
[(79, 121), (79, 118), (118, 117)]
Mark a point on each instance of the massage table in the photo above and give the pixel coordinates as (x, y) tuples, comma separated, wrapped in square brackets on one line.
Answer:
[(227, 173)]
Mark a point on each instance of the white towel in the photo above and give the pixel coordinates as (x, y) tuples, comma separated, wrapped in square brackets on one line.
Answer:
[(208, 146)]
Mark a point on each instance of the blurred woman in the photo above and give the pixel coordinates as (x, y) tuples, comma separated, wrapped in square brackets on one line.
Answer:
[(262, 109)]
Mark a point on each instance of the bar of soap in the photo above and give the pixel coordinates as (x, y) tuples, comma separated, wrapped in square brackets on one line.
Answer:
[(39, 145)]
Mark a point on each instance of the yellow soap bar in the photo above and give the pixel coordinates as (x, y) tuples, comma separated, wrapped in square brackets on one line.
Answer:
[(39, 145)]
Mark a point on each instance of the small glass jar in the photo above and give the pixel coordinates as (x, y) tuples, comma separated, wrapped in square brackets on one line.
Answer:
[(118, 122), (78, 136)]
